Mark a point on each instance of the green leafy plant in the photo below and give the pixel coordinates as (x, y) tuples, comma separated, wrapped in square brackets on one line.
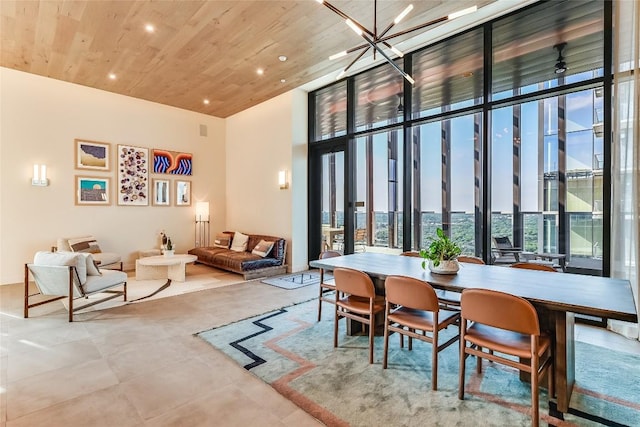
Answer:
[(440, 249), (169, 244)]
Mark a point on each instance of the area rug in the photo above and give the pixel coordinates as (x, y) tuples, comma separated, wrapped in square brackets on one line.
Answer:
[(293, 353), (148, 290), (294, 281)]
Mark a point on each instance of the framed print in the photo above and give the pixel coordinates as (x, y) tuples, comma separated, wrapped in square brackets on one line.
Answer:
[(133, 176), (172, 162), (92, 155), (161, 192), (93, 190), (183, 193)]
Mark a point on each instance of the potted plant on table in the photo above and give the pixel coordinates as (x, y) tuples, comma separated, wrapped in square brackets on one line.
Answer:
[(169, 249), (441, 255)]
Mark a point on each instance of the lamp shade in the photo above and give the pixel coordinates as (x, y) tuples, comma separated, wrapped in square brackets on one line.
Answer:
[(202, 210)]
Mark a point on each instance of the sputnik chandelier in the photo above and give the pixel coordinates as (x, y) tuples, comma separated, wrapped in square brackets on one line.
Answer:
[(374, 40)]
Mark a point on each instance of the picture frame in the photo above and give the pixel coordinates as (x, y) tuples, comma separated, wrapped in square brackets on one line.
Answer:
[(183, 193), (92, 191), (161, 192), (92, 155), (133, 176), (172, 162)]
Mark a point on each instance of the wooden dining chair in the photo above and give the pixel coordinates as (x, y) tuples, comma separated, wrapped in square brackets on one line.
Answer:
[(470, 259), (326, 286), (513, 330), (533, 266), (447, 299), (412, 305), (356, 299)]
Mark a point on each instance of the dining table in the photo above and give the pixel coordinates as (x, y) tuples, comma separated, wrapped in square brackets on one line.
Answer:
[(557, 297)]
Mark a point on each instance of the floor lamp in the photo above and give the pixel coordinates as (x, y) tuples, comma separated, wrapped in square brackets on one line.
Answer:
[(202, 224)]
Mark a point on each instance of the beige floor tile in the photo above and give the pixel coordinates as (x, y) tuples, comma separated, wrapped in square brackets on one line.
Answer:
[(51, 388)]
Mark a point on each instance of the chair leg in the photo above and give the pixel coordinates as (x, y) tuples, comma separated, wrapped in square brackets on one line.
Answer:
[(386, 340), (371, 332), (125, 291), (479, 362), (411, 339), (335, 329), (26, 291), (434, 359), (320, 304), (534, 393), (461, 369)]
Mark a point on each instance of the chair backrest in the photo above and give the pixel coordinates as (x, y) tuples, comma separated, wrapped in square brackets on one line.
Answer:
[(360, 234), (411, 293), (469, 259), (502, 242), (411, 253), (329, 254), (54, 279), (533, 266), (500, 310), (354, 282)]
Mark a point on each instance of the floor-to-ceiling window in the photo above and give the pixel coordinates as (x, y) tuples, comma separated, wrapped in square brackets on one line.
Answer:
[(501, 135)]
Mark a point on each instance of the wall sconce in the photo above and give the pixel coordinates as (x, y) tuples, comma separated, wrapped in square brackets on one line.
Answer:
[(202, 224), (40, 176), (282, 179)]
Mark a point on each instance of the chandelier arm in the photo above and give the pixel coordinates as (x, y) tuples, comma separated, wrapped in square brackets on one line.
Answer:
[(356, 59), (345, 16), (384, 55), (412, 29)]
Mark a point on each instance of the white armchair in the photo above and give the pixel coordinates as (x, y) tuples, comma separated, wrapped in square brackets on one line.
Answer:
[(73, 276), (89, 244)]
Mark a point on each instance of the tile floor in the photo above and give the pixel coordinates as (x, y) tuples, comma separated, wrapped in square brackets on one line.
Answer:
[(140, 365)]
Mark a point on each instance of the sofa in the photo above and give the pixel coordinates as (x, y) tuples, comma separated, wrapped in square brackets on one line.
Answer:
[(260, 256)]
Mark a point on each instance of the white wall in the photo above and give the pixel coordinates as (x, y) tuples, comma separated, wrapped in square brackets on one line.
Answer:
[(39, 119), (262, 140)]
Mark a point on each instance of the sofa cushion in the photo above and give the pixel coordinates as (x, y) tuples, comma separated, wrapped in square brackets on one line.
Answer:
[(239, 243), (84, 244), (263, 248), (222, 240), (106, 258), (65, 259)]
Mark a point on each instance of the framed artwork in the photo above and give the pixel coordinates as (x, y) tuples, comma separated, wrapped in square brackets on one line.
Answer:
[(161, 192), (172, 162), (92, 190), (93, 155), (133, 176), (183, 193)]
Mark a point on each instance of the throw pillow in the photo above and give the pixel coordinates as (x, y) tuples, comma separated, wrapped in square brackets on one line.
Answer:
[(92, 268), (239, 243), (85, 244), (223, 240), (263, 248)]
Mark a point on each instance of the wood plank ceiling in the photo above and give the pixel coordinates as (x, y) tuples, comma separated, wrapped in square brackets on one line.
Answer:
[(199, 49)]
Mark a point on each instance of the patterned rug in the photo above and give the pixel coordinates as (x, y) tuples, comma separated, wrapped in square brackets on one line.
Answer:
[(293, 353), (294, 281)]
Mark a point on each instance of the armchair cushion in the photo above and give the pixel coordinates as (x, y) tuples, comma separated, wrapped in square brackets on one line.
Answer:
[(64, 259), (88, 244)]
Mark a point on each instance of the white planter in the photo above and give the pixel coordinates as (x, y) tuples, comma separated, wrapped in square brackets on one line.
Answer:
[(168, 252), (445, 267)]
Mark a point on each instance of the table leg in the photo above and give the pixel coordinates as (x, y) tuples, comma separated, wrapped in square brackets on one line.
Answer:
[(177, 272), (564, 362)]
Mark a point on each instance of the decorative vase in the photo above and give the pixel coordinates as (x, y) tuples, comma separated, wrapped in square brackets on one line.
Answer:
[(445, 267), (168, 252)]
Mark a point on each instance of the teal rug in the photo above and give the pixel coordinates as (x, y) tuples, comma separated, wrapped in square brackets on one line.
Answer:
[(293, 353)]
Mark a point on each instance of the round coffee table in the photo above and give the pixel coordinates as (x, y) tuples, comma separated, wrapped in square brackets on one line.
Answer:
[(164, 267)]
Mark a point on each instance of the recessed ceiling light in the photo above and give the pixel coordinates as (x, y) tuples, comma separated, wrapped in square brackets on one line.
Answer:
[(205, 101), (112, 76), (260, 71), (149, 28), (282, 58), (283, 81)]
